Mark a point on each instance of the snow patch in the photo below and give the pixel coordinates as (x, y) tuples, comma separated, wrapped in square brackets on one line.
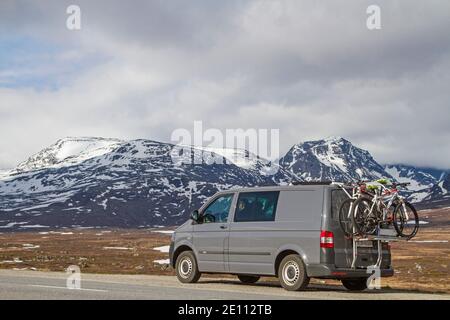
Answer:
[(30, 246), (164, 249), (164, 231), (15, 260)]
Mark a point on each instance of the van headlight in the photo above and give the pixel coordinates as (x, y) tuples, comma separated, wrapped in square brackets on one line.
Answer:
[(172, 237)]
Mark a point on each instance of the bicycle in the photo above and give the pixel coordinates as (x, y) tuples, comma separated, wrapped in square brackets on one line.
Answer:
[(346, 207), (386, 207)]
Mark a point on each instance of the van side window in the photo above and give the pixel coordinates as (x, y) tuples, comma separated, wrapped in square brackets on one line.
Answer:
[(256, 206), (218, 210)]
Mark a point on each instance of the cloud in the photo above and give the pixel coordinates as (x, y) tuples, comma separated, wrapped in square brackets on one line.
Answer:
[(310, 69)]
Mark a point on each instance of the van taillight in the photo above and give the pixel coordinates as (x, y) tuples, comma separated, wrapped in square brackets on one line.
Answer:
[(326, 239)]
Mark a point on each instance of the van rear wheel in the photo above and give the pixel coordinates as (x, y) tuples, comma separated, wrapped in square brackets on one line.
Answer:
[(248, 279), (292, 273), (355, 284), (186, 268)]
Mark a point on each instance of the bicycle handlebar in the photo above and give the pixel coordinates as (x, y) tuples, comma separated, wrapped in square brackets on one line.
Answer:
[(401, 184), (362, 182), (353, 182)]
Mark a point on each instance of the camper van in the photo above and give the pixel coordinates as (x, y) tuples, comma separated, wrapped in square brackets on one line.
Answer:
[(290, 232)]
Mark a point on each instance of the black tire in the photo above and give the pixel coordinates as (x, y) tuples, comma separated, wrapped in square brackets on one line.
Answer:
[(345, 221), (186, 268), (248, 279), (292, 273), (359, 284), (406, 228), (364, 225)]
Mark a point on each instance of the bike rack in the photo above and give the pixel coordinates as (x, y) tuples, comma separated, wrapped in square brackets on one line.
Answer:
[(379, 239), (388, 236)]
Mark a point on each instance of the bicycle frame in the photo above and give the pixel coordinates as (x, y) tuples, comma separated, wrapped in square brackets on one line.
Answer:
[(342, 186), (383, 200), (356, 193)]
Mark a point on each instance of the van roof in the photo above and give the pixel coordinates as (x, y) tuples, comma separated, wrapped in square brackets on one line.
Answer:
[(310, 186)]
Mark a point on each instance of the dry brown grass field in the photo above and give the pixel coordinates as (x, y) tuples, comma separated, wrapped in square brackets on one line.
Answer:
[(421, 264)]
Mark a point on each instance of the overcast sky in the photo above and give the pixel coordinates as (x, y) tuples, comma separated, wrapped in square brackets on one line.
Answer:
[(140, 69)]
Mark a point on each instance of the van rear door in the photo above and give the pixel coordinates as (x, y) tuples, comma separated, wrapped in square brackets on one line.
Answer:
[(343, 246)]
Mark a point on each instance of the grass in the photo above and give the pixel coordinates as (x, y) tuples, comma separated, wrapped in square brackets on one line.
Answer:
[(419, 266)]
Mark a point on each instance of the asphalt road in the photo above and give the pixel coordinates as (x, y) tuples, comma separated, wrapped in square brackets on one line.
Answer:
[(52, 285)]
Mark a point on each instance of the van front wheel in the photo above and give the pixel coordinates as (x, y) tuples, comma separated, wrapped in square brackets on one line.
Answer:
[(186, 268), (292, 273), (355, 284)]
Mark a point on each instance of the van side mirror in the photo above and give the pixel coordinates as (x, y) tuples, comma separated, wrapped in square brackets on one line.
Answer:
[(195, 215)]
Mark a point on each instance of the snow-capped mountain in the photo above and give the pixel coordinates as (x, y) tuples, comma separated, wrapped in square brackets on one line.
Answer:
[(108, 182), (438, 194), (68, 151), (249, 161), (337, 159), (332, 159), (421, 180), (4, 173), (239, 157)]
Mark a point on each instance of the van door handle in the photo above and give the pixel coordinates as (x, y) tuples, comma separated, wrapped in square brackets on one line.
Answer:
[(223, 227)]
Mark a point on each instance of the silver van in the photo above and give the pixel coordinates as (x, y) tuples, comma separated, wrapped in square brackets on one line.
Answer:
[(291, 232)]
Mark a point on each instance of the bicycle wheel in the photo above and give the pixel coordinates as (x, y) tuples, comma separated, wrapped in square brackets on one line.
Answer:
[(406, 220), (364, 221), (345, 219)]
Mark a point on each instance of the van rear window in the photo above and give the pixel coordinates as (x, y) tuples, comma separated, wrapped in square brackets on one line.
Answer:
[(337, 197), (256, 206)]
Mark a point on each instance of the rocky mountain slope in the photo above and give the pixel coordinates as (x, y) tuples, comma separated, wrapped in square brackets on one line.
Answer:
[(333, 159), (109, 182), (437, 195)]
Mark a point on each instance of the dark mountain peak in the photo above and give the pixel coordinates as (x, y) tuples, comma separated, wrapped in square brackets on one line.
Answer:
[(336, 139), (333, 158)]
